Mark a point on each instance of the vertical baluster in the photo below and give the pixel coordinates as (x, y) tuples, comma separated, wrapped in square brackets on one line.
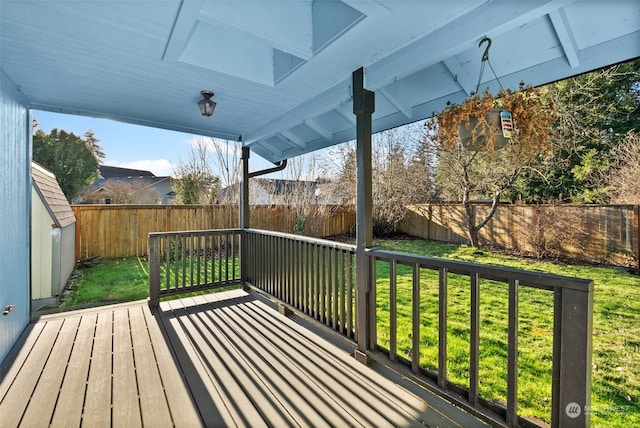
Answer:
[(234, 255), (167, 262), (322, 295), (334, 286), (512, 357), (415, 314), (198, 255), (373, 322), (282, 278), (442, 327), (189, 258), (393, 311), (474, 339), (314, 280), (342, 290), (220, 259), (350, 314)]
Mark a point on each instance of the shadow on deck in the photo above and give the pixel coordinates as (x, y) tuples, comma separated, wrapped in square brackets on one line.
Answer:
[(225, 359)]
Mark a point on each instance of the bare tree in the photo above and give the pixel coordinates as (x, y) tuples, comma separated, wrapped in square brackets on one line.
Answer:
[(402, 175), (195, 182), (466, 175), (623, 179), (228, 165)]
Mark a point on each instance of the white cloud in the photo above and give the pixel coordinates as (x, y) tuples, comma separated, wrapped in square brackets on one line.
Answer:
[(160, 167)]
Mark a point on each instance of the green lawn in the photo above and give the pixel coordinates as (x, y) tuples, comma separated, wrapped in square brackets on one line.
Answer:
[(616, 331), (116, 280)]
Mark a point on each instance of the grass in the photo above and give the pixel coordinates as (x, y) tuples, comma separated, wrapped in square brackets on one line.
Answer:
[(116, 280), (616, 329)]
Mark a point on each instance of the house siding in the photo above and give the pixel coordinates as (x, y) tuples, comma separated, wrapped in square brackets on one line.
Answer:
[(15, 212), (41, 249)]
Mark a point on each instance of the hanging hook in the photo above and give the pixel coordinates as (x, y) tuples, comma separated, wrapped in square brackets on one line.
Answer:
[(485, 55)]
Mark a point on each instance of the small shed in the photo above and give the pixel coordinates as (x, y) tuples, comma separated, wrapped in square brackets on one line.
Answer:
[(53, 236)]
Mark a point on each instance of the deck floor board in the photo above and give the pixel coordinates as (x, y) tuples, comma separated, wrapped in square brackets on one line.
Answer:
[(224, 359), (68, 410)]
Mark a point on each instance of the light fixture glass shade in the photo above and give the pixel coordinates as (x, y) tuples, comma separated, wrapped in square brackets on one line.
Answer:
[(206, 105)]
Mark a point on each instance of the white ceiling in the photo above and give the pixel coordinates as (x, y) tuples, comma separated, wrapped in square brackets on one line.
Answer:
[(281, 69)]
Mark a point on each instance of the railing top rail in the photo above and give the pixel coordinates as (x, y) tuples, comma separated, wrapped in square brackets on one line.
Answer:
[(197, 232), (323, 242), (496, 273)]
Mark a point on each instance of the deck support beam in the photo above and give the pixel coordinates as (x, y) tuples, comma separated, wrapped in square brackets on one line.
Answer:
[(363, 108)]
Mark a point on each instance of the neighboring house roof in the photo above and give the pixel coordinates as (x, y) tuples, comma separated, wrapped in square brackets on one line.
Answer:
[(142, 181), (107, 172), (49, 190)]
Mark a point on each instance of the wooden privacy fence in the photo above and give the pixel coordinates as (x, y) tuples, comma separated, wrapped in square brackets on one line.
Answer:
[(593, 233), (113, 231)]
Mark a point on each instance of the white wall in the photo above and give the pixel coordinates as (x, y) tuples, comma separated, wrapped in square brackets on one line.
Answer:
[(41, 249), (67, 254), (15, 212)]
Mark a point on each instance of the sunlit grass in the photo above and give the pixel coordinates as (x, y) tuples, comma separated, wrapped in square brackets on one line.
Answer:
[(616, 331)]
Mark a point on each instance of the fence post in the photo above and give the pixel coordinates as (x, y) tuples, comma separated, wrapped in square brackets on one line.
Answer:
[(154, 271), (572, 330)]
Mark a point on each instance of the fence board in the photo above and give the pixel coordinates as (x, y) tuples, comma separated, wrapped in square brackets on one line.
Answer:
[(112, 231), (591, 233)]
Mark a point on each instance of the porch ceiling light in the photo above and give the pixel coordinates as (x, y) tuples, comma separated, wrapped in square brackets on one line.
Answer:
[(206, 105)]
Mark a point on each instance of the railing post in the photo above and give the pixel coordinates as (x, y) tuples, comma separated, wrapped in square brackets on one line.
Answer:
[(571, 390), (363, 108), (154, 271)]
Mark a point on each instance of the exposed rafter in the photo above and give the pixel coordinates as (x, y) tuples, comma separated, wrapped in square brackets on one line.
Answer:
[(568, 42)]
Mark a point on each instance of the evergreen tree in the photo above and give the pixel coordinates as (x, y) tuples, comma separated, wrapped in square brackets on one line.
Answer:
[(596, 111), (70, 158)]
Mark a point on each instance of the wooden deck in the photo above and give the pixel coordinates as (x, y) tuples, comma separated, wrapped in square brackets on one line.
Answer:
[(226, 359)]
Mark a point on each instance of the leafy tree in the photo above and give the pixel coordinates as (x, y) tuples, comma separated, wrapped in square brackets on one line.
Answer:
[(92, 142), (595, 112), (70, 158)]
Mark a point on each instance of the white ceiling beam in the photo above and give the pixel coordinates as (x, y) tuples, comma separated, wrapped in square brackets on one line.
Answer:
[(459, 35), (289, 137), (460, 75), (369, 7), (565, 35), (347, 114), (319, 129), (402, 107), (455, 37), (330, 99), (182, 29)]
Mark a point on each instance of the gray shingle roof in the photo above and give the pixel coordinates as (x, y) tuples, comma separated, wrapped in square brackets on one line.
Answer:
[(51, 194)]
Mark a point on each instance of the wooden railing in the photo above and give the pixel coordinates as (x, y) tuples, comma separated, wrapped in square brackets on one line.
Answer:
[(571, 344), (184, 262), (314, 276), (317, 277)]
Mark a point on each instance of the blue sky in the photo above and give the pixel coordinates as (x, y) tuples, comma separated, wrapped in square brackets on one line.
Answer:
[(131, 146)]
